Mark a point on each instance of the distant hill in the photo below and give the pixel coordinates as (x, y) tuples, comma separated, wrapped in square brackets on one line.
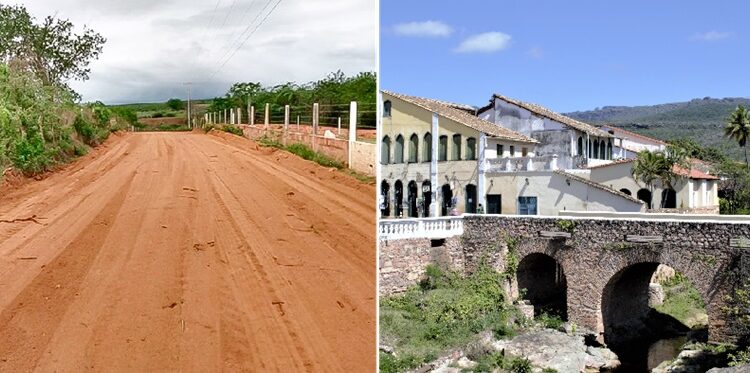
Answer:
[(702, 119)]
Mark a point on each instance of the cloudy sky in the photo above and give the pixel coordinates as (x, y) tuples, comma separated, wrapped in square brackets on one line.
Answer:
[(154, 46), (566, 55)]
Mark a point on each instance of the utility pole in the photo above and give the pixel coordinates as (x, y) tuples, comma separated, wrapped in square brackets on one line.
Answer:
[(190, 125)]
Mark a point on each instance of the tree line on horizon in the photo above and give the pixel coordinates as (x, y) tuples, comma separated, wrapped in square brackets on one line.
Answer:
[(333, 94)]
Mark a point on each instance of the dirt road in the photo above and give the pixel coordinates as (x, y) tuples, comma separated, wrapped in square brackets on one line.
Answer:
[(188, 252)]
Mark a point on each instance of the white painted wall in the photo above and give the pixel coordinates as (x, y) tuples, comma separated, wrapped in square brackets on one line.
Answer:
[(554, 194)]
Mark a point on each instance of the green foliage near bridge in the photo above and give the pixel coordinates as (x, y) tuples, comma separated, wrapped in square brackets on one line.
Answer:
[(445, 311)]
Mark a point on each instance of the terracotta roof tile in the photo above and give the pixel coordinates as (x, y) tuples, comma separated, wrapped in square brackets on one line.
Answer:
[(693, 173), (542, 111), (446, 110), (617, 130)]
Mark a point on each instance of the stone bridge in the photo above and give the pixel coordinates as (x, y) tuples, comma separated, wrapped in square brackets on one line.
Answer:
[(596, 271)]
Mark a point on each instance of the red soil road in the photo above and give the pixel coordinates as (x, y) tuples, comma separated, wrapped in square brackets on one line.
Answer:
[(188, 252)]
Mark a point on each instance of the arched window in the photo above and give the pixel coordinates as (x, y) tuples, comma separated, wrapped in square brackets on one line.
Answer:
[(385, 150), (443, 148), (426, 198), (602, 150), (591, 152), (412, 205), (609, 149), (471, 199), (596, 149), (645, 196), (427, 148), (385, 196), (413, 148), (398, 196), (626, 191), (456, 148), (471, 148), (387, 108), (580, 145), (398, 155), (669, 199)]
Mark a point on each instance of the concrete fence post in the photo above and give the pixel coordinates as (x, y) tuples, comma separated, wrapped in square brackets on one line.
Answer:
[(249, 113), (286, 117), (297, 123), (231, 116), (286, 123), (316, 112), (239, 115), (252, 115), (339, 126), (267, 117), (352, 129), (225, 117)]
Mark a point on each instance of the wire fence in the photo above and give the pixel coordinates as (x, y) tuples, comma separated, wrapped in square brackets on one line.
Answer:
[(329, 115)]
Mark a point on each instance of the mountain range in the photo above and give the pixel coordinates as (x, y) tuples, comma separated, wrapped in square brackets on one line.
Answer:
[(702, 119)]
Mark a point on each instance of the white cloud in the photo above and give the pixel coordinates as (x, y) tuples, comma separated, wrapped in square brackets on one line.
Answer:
[(154, 46), (426, 28), (487, 42), (711, 35)]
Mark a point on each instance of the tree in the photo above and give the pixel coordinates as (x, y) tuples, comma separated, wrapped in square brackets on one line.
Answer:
[(647, 169), (50, 50), (738, 128), (175, 104)]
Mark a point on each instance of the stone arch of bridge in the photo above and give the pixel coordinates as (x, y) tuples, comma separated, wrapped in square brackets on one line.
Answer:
[(542, 277), (624, 311)]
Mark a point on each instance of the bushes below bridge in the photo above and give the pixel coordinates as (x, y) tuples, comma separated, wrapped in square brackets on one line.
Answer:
[(444, 311)]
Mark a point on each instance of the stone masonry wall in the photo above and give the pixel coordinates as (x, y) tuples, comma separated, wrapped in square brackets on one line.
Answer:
[(597, 251), (403, 262)]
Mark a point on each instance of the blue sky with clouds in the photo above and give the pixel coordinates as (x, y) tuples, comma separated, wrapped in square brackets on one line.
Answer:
[(566, 55)]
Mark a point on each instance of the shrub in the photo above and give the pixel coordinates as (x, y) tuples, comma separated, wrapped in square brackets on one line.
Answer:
[(445, 311), (31, 157), (232, 129)]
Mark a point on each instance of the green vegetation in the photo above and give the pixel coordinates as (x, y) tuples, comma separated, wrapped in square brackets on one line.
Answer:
[(550, 321), (446, 310), (41, 123), (302, 151), (332, 93), (175, 104), (738, 310), (566, 225), (682, 301), (511, 258), (49, 50), (738, 128), (650, 167), (490, 362)]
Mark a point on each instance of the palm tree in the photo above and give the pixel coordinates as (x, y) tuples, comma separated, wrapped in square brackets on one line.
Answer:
[(648, 168), (738, 128)]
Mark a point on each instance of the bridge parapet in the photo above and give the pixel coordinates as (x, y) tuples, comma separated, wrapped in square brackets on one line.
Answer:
[(430, 228)]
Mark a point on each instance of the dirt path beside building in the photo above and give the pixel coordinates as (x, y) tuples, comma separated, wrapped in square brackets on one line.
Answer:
[(188, 252)]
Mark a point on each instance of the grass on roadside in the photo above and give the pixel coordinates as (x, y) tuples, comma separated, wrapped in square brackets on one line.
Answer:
[(305, 152)]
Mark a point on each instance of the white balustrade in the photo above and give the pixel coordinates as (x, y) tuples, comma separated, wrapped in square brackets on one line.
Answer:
[(432, 228)]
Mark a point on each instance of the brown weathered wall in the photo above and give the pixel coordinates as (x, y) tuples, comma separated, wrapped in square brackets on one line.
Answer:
[(403, 262)]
